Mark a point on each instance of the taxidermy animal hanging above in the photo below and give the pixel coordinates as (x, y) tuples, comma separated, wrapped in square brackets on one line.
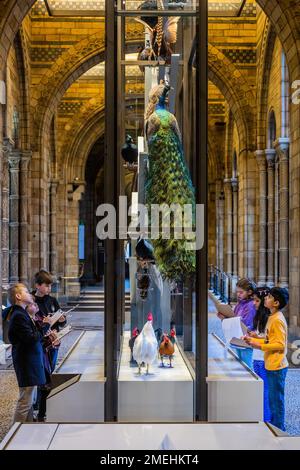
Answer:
[(168, 182), (162, 31)]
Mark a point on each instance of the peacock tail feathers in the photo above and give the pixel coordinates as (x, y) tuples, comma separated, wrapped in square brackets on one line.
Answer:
[(169, 182)]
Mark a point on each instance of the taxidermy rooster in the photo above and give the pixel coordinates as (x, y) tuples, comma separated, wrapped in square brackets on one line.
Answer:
[(168, 182), (166, 349), (162, 34), (145, 346)]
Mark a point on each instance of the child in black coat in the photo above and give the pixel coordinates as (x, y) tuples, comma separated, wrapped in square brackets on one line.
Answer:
[(27, 351)]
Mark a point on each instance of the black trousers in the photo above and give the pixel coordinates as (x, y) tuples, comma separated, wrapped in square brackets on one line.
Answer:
[(42, 400)]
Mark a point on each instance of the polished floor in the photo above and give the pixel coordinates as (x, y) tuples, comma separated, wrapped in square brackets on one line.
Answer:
[(251, 436)]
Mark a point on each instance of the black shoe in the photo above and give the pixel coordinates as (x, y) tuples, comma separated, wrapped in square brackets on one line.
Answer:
[(41, 419)]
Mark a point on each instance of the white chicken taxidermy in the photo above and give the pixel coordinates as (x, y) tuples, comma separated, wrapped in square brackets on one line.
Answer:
[(145, 346), (162, 34)]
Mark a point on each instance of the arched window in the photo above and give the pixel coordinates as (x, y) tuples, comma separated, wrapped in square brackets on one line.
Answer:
[(81, 240), (271, 129), (234, 165), (16, 127)]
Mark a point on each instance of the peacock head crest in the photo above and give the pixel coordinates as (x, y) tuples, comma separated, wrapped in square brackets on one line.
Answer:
[(162, 98)]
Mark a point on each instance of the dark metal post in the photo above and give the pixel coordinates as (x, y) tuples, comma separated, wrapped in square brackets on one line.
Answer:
[(110, 197), (188, 315), (201, 198)]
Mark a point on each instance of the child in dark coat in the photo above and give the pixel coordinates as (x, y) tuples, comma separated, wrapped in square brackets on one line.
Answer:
[(27, 351)]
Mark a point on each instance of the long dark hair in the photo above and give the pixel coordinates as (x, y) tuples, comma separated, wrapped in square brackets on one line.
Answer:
[(262, 314)]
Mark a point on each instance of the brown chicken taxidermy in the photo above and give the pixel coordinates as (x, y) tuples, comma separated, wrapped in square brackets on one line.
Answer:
[(166, 349), (163, 33)]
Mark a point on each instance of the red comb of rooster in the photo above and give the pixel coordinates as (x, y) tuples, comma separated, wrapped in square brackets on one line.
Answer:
[(150, 317), (135, 331)]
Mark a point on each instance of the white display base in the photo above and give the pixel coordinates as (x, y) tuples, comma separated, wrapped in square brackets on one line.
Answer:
[(255, 436), (234, 393), (82, 398), (165, 395)]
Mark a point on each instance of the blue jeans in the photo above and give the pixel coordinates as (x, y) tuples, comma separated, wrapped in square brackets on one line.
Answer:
[(53, 358), (245, 355), (259, 369), (276, 384)]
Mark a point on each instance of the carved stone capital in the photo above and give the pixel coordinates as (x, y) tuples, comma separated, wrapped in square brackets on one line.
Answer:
[(234, 184), (261, 159), (53, 186), (75, 191), (7, 146), (282, 146), (14, 159), (271, 157), (26, 156)]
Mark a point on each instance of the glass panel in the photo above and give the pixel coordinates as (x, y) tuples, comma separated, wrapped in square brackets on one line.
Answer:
[(149, 5), (220, 8), (157, 152), (75, 7)]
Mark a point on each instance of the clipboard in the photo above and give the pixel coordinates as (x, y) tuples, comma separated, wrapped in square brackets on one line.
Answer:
[(65, 331), (56, 316), (239, 343)]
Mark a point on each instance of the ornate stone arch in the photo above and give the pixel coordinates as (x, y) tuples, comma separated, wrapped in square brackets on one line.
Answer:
[(24, 74), (11, 17), (263, 79), (94, 131), (68, 150), (284, 16), (236, 91), (80, 144), (66, 70)]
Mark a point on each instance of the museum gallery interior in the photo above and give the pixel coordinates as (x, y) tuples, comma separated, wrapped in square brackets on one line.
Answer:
[(150, 224)]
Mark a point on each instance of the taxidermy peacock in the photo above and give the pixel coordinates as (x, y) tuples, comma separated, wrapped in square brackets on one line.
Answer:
[(168, 182)]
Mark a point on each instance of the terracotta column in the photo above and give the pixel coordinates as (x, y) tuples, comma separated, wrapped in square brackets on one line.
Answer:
[(53, 226), (282, 148), (229, 226), (270, 155), (262, 262), (14, 159), (71, 256), (234, 183), (7, 148), (220, 224), (24, 252)]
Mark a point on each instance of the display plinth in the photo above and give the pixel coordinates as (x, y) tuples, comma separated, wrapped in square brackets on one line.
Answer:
[(79, 395), (235, 394), (165, 395)]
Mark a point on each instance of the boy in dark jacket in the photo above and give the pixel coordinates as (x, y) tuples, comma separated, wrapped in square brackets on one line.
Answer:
[(47, 305), (27, 351)]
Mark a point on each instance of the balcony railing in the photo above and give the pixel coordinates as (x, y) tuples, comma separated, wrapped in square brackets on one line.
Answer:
[(221, 284)]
